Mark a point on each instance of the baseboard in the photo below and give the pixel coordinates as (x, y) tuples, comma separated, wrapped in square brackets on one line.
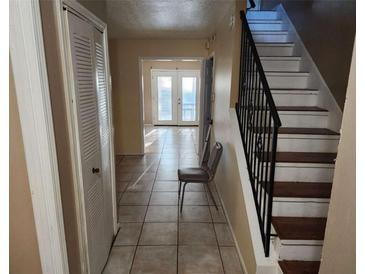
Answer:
[(234, 236)]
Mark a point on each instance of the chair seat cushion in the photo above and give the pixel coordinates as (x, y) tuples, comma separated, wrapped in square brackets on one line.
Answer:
[(193, 174)]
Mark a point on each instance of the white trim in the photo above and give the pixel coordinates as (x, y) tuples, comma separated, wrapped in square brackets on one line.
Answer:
[(32, 90), (62, 33), (111, 126), (141, 104)]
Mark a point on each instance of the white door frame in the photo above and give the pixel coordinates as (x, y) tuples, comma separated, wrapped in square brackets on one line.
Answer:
[(62, 32), (33, 97), (177, 75)]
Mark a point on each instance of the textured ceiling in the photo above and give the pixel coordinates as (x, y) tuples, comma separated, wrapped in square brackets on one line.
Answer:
[(164, 18)]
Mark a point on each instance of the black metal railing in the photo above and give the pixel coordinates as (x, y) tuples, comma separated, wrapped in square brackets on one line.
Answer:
[(259, 123)]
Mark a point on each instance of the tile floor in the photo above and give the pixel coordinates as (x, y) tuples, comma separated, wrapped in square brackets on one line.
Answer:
[(154, 237)]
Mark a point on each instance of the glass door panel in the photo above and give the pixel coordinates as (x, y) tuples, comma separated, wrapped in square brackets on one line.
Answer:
[(164, 97), (188, 99), (164, 101)]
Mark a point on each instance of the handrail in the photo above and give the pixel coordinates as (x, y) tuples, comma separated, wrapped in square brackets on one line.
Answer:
[(259, 123)]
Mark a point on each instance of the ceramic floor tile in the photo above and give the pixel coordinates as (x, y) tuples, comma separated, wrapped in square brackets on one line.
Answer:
[(120, 260), (218, 216), (197, 234), (161, 214), (155, 260), (128, 234), (140, 186), (166, 175), (193, 187), (128, 214), (135, 198), (231, 261), (159, 234), (166, 186), (164, 198), (224, 235), (195, 198), (200, 214), (199, 259), (216, 198)]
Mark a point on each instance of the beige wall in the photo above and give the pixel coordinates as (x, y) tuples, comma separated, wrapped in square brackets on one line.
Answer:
[(54, 71), (339, 248), (124, 62), (23, 244), (147, 65), (227, 177)]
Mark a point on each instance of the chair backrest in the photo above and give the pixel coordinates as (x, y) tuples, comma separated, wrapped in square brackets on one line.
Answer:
[(206, 152), (214, 159)]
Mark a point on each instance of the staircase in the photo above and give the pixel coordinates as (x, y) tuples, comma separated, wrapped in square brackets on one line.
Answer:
[(306, 146)]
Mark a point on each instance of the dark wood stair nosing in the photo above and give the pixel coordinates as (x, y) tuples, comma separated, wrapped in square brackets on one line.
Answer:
[(299, 267), (299, 228), (302, 157), (302, 190)]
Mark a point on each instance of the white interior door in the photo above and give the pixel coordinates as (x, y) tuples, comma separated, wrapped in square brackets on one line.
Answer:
[(188, 100), (88, 89), (175, 97), (164, 97), (105, 130)]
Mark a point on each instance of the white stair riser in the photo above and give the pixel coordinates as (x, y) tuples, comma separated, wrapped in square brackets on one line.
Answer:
[(287, 82), (299, 209), (266, 27), (300, 252), (281, 65), (275, 51), (307, 145), (269, 38), (262, 15), (295, 99), (302, 173), (289, 119)]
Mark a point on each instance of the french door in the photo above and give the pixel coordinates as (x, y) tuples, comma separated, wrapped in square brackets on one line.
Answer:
[(175, 97)]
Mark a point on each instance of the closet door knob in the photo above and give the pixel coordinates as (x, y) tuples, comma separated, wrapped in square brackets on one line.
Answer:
[(95, 170)]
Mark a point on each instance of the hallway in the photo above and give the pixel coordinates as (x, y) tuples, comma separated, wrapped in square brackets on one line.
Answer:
[(154, 237)]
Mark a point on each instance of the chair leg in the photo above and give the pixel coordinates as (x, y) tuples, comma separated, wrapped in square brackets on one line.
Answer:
[(179, 190), (182, 198), (211, 196)]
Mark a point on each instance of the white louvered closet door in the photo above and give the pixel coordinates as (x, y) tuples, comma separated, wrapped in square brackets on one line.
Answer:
[(105, 131), (82, 44)]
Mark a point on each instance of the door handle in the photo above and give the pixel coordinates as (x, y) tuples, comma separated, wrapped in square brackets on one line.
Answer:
[(95, 170)]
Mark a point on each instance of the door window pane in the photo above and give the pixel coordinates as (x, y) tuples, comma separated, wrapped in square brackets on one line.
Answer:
[(188, 99), (164, 90)]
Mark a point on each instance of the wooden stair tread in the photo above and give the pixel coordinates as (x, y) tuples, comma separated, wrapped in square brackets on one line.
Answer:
[(299, 267), (306, 157), (302, 190), (299, 228), (300, 108), (304, 130)]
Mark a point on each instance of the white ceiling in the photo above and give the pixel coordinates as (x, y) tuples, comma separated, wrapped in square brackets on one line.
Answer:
[(164, 18)]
